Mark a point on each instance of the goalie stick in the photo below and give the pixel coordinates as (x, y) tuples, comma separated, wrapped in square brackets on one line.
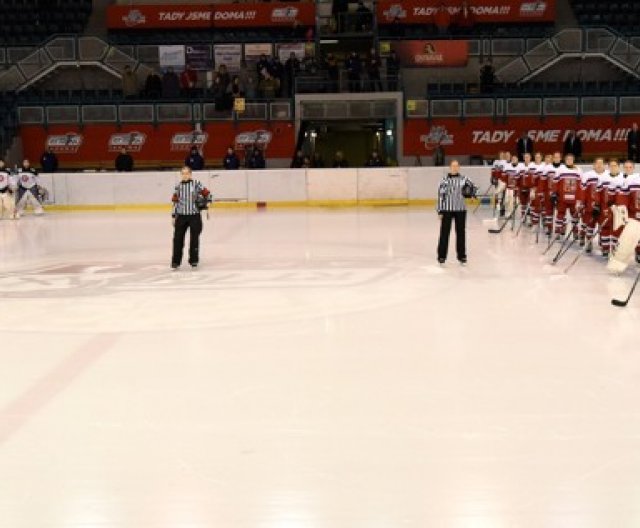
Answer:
[(506, 221), (622, 304)]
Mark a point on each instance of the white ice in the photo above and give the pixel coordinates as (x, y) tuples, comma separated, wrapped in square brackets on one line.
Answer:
[(319, 370)]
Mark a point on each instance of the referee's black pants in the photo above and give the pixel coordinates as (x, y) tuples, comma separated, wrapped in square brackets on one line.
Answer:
[(460, 219), (193, 223)]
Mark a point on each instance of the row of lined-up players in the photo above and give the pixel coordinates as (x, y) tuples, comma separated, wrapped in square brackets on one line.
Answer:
[(20, 187), (552, 190)]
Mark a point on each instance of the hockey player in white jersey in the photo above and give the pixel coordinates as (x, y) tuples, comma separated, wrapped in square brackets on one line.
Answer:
[(8, 188), (29, 190), (589, 202)]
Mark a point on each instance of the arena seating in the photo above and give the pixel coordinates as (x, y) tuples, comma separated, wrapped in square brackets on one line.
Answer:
[(32, 21), (624, 16)]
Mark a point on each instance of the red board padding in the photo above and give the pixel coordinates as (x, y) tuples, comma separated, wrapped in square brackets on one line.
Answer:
[(432, 53)]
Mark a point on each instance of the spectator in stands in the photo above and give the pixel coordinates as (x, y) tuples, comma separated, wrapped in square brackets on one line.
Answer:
[(354, 71), (194, 160), (339, 11), (573, 145), (276, 68), (393, 69), (256, 159), (317, 162), (439, 156), (298, 160), (633, 144), (363, 17), (262, 65), (220, 95), (374, 160), (49, 161), (225, 78), (189, 81), (268, 86), (153, 86), (373, 72), (333, 72), (231, 161), (235, 90), (442, 19), (170, 84), (247, 80), (524, 145), (487, 77), (291, 68), (129, 83), (124, 161), (339, 162)]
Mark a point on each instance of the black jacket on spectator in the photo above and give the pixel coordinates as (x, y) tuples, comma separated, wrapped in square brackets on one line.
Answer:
[(573, 145), (124, 163), (49, 162), (231, 162), (195, 161), (523, 146)]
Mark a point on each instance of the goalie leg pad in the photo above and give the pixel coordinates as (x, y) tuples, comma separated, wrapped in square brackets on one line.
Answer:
[(626, 251)]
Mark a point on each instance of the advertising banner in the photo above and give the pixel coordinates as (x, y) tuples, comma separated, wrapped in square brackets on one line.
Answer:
[(285, 51), (171, 56), (198, 56), (96, 146), (228, 54), (252, 52), (231, 15), (432, 53), (480, 11), (485, 137)]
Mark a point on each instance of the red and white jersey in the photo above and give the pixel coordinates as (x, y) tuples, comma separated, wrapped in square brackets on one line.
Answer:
[(513, 174), (543, 177), (528, 175), (540, 169), (607, 189), (629, 195), (589, 187), (567, 183), (27, 179), (552, 172), (7, 181), (497, 168)]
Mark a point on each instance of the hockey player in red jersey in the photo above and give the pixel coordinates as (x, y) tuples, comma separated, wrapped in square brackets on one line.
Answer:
[(567, 184), (526, 184), (589, 201), (607, 193), (551, 196), (513, 172)]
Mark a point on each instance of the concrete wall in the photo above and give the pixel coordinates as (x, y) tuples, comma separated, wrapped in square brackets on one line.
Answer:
[(304, 187)]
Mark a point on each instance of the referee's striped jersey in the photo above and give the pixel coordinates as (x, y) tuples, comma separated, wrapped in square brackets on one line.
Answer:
[(184, 197), (450, 193)]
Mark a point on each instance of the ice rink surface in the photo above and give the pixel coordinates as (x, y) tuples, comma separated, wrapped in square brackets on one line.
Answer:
[(319, 370)]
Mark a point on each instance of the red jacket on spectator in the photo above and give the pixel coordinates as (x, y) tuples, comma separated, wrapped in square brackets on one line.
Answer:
[(188, 78)]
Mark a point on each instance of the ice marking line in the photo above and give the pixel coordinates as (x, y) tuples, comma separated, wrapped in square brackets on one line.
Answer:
[(18, 412)]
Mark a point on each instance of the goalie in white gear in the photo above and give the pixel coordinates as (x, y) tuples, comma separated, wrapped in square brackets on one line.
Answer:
[(7, 192), (29, 190)]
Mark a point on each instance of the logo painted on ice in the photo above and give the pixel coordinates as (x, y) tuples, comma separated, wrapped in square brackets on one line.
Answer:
[(186, 140), (134, 18), (68, 143), (132, 141), (438, 135), (395, 11), (284, 14), (258, 137), (533, 9)]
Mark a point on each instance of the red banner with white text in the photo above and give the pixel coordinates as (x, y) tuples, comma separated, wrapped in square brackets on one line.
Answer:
[(180, 16), (96, 146), (432, 53), (478, 11), (485, 137)]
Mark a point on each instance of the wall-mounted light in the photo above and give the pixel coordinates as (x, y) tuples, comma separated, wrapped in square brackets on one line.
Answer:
[(389, 132)]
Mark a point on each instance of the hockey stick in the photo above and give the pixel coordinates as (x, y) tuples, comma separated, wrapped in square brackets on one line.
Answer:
[(506, 221), (622, 304), (524, 219), (586, 246), (485, 195), (563, 248)]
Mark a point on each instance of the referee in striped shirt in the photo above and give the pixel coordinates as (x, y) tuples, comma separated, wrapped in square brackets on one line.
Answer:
[(453, 190), (186, 216)]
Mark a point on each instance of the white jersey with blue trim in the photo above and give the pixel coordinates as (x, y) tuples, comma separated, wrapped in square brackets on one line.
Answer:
[(7, 181), (28, 179)]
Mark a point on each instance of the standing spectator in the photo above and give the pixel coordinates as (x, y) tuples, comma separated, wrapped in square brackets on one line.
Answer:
[(487, 77), (219, 94), (373, 72), (235, 90), (49, 161), (124, 161), (291, 68), (247, 78), (298, 160), (339, 11), (256, 159), (442, 19), (231, 161), (277, 72), (333, 72), (153, 86), (317, 162), (262, 65), (170, 84), (573, 145), (453, 190), (393, 69), (129, 83), (189, 81), (354, 70), (633, 144), (268, 86), (194, 160), (339, 162), (363, 17), (524, 146), (225, 78), (439, 156), (374, 160)]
